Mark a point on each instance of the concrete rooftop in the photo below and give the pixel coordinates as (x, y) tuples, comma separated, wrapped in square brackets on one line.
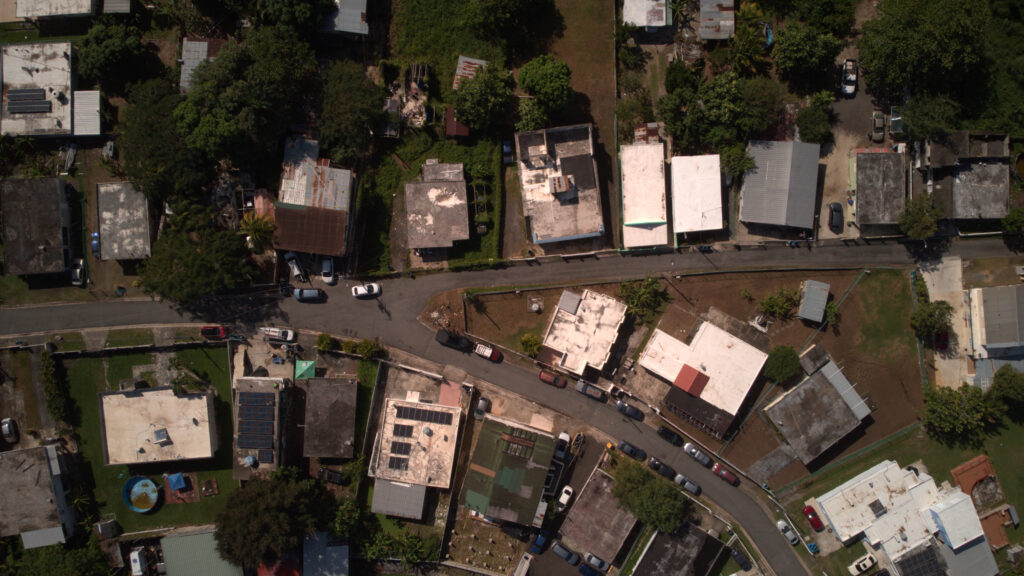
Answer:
[(130, 421), (981, 189), (124, 221), (881, 188), (645, 215), (650, 13), (40, 66), (596, 523), (696, 193), (585, 338), (43, 8), (37, 216), (32, 499), (437, 212), (416, 443), (689, 552), (330, 418)]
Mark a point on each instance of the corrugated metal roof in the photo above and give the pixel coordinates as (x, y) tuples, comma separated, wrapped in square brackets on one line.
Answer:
[(782, 188), (117, 6), (310, 230), (350, 17), (717, 19), (398, 499), (835, 377), (1003, 314), (85, 116), (569, 301), (812, 304), (195, 554)]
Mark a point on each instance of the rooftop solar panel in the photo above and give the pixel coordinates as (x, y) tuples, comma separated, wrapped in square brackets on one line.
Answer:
[(396, 463), (401, 448), (257, 427), (252, 442), (265, 456), (423, 415), (403, 431), (30, 107), (262, 398), (25, 94)]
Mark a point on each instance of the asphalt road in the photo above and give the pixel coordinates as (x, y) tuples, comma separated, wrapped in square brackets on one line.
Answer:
[(392, 319)]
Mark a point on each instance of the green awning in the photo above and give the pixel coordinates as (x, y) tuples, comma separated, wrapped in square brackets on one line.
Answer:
[(305, 369)]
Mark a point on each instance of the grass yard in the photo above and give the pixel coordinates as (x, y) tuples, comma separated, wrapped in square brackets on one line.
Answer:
[(129, 337), (119, 366), (86, 379), (68, 341), (885, 328), (15, 291), (21, 371)]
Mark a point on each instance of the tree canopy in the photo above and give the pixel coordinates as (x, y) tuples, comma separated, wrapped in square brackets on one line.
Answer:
[(1013, 223), (783, 364), (547, 79), (351, 109), (483, 100), (961, 416), (304, 16), (651, 499), (805, 56), (1008, 387), (815, 120), (153, 154), (248, 96), (920, 218), (194, 257), (60, 560), (931, 318), (266, 518), (643, 297), (110, 53), (529, 115), (930, 116), (518, 26)]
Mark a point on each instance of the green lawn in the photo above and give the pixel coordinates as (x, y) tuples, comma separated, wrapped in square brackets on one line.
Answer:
[(886, 301), (129, 337), (14, 291), (68, 341), (119, 366), (86, 379)]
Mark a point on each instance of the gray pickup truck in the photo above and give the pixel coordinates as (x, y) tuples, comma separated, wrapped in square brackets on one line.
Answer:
[(584, 387)]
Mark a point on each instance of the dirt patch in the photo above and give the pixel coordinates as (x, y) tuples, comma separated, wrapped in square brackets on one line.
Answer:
[(986, 272), (514, 241), (444, 310)]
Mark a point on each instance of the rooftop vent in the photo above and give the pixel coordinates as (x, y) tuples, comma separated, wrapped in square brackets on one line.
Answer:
[(160, 436), (878, 508)]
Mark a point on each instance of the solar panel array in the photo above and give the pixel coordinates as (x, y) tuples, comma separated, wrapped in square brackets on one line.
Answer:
[(396, 463), (256, 411), (401, 448), (422, 415), (403, 431), (28, 101)]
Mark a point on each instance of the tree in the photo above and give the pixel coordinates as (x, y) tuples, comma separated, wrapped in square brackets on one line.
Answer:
[(193, 257), (259, 231), (652, 500), (643, 297), (924, 45), (248, 96), (833, 17), (59, 560), (814, 120), (1008, 388), (547, 79), (530, 115), (325, 342), (1013, 223), (369, 349), (110, 54), (352, 109), (805, 56), (518, 26), (930, 116), (763, 103), (483, 100), (782, 365), (304, 16), (153, 154), (55, 388), (961, 416), (735, 160), (682, 76), (266, 518), (920, 218), (747, 51), (347, 518), (832, 313), (931, 318), (530, 343)]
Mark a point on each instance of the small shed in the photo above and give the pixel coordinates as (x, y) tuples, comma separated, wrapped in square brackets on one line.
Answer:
[(812, 304)]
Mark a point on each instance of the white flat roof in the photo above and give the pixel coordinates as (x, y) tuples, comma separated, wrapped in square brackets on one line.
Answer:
[(730, 364), (644, 215), (957, 520), (43, 8), (130, 420), (696, 193), (44, 66), (416, 443), (646, 13), (586, 337)]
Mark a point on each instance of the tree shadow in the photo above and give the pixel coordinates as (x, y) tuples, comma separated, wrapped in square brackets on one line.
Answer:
[(546, 24)]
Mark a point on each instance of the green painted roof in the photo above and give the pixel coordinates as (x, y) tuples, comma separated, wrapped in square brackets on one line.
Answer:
[(195, 554), (507, 471), (305, 369)]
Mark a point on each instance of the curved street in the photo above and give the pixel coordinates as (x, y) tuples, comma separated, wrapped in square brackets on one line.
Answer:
[(393, 321)]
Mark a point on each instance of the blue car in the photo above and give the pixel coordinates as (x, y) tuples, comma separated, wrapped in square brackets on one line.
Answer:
[(540, 542)]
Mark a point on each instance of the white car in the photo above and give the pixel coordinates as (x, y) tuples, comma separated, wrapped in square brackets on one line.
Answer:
[(787, 532), (849, 88), (861, 565), (278, 334), (10, 430), (78, 272), (366, 290), (564, 498)]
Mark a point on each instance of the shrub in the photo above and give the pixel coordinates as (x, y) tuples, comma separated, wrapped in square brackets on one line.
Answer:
[(530, 344), (325, 342), (55, 388), (369, 349), (779, 303), (348, 346)]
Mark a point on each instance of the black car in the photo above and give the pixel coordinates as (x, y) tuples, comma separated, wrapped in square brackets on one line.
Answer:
[(309, 295), (670, 436), (661, 468), (632, 451), (631, 411), (835, 217), (740, 559), (453, 340)]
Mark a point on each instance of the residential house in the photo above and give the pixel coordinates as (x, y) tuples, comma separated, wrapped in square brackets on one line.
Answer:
[(36, 226), (781, 189)]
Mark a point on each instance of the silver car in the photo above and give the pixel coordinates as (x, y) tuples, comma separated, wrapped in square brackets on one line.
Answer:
[(787, 532), (687, 484), (696, 454)]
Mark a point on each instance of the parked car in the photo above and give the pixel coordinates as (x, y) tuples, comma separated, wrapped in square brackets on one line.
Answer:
[(564, 498), (325, 474), (540, 541), (552, 379), (849, 84), (724, 473), (596, 562), (631, 411), (521, 533), (661, 468), (565, 554), (278, 334), (696, 454), (812, 517), (213, 332), (877, 133), (94, 244), (78, 274), (562, 446), (687, 484), (740, 559), (9, 428), (453, 340), (670, 436), (587, 570), (861, 565), (632, 451), (789, 535), (327, 271), (489, 352), (292, 260), (309, 295), (835, 217), (370, 290), (483, 406), (591, 391)]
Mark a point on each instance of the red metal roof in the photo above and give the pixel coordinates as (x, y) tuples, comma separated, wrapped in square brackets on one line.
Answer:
[(691, 380), (453, 127)]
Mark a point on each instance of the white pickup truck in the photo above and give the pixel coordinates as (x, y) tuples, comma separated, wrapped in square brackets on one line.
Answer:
[(485, 351)]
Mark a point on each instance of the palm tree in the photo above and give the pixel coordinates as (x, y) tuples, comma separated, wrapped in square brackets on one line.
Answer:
[(259, 229)]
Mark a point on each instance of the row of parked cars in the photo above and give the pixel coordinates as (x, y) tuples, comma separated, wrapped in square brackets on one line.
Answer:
[(591, 565)]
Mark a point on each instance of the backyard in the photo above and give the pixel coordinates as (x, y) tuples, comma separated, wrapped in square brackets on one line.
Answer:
[(86, 378)]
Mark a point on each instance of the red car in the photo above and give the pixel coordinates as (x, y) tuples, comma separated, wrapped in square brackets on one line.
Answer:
[(213, 332), (552, 379), (812, 517), (724, 473)]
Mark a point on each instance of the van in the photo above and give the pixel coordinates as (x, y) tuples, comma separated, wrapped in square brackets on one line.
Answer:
[(591, 391), (278, 334)]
